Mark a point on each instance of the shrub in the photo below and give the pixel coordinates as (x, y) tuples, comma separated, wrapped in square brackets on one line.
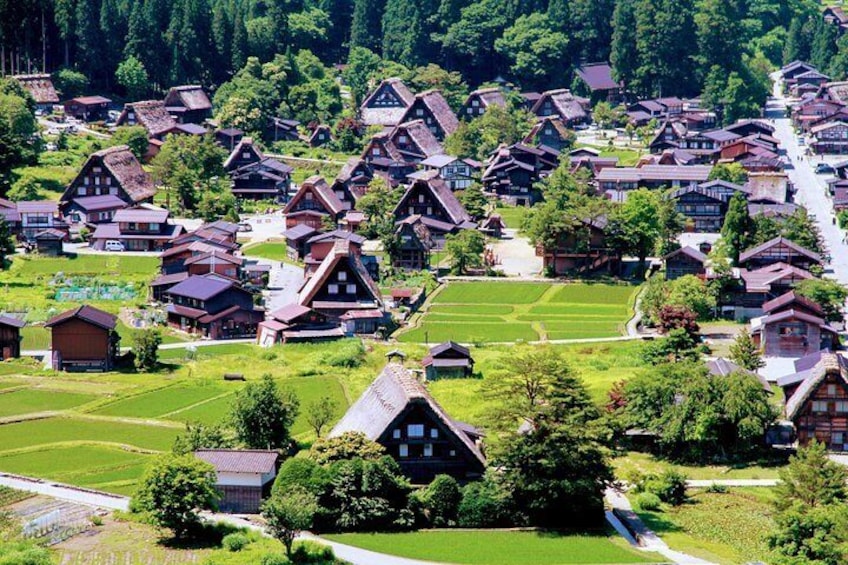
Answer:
[(312, 552), (234, 542), (96, 520), (647, 501), (484, 505), (717, 488), (670, 487), (349, 355), (441, 501), (301, 472), (274, 559)]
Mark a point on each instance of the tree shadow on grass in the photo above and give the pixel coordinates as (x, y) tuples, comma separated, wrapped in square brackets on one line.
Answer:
[(203, 536)]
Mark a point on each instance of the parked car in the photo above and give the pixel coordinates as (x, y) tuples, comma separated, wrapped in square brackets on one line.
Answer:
[(244, 226), (824, 169), (114, 245)]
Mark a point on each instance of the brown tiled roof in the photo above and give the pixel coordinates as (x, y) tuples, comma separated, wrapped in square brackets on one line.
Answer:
[(391, 115), (40, 87), (598, 76), (258, 461), (322, 190), (443, 194), (791, 298), (815, 257), (152, 115), (568, 106), (190, 97), (87, 313)]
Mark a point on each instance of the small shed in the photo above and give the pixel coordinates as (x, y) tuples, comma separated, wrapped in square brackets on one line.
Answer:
[(49, 242), (493, 226), (88, 108), (243, 477), (10, 337), (448, 360), (83, 339)]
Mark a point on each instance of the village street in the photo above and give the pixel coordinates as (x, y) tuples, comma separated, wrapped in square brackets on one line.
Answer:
[(811, 190)]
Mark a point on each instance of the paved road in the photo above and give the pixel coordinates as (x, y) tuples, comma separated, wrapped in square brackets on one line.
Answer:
[(65, 492), (284, 281), (811, 190), (647, 539)]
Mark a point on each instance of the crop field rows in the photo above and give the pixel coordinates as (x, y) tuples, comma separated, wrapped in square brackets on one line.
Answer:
[(505, 311)]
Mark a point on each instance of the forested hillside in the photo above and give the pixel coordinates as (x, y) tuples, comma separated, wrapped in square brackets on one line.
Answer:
[(658, 47)]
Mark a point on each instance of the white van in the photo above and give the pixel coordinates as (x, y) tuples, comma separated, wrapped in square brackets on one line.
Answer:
[(113, 245)]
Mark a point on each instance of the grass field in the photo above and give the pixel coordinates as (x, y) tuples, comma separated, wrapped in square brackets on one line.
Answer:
[(59, 430), (34, 400), (481, 312), (645, 463), (722, 528), (499, 548), (273, 250)]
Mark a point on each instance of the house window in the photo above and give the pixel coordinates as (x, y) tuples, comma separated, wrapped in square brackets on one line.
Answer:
[(419, 112), (831, 390), (415, 430), (403, 450), (333, 289), (153, 226), (836, 438), (245, 155), (842, 406), (421, 199), (342, 276), (428, 450), (434, 433), (453, 453), (308, 196), (396, 434), (819, 406), (351, 289)]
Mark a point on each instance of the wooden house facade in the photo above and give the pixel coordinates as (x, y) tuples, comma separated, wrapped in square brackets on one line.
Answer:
[(213, 306), (793, 326), (582, 251), (817, 401), (189, 104), (10, 337), (83, 339), (448, 360), (312, 203), (432, 108), (779, 250), (479, 101), (399, 413), (685, 261)]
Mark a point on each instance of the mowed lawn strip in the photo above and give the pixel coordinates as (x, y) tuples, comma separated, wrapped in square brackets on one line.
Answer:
[(592, 294), (39, 400), (54, 430), (498, 548)]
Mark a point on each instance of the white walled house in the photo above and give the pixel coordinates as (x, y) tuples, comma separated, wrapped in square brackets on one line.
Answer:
[(244, 477)]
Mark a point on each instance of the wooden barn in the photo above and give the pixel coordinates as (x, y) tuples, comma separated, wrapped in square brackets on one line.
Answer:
[(10, 337), (83, 339), (399, 413), (448, 360), (684, 261)]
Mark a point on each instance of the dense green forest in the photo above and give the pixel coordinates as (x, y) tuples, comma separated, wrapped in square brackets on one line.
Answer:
[(658, 47)]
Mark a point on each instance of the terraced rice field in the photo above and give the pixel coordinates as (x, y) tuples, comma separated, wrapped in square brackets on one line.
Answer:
[(486, 312)]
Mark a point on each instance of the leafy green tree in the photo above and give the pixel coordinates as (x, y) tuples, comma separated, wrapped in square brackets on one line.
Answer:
[(198, 435), (623, 55), (636, 225), (745, 353), (172, 491), (827, 293), (557, 459), (719, 30), (698, 416), (7, 243), (474, 201), (286, 515), (811, 509), (729, 172), (466, 250), (737, 230), (404, 31), (679, 345), (185, 162), (691, 292), (432, 76), (134, 137), (145, 348), (349, 445), (132, 75), (17, 129), (70, 83), (377, 204), (472, 38), (535, 51), (302, 472), (362, 66), (319, 413), (480, 137), (262, 415), (665, 48), (366, 27)]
